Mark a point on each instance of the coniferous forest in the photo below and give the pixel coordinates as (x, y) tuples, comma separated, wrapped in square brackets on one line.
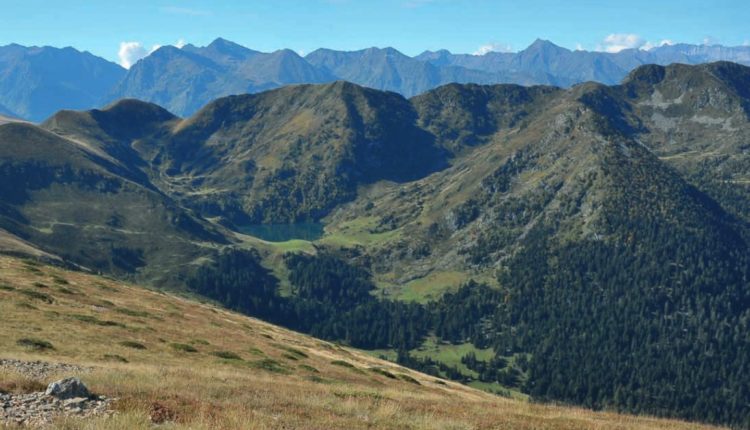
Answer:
[(658, 346)]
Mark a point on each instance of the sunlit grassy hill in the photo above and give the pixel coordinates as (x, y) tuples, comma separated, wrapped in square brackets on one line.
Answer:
[(211, 368)]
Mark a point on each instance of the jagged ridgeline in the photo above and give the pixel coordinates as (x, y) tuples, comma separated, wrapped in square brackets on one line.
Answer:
[(587, 245)]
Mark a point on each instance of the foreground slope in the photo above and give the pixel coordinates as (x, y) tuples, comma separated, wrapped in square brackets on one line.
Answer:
[(209, 368)]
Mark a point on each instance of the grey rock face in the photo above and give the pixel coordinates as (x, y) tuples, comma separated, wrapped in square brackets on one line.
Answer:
[(67, 388), (66, 397)]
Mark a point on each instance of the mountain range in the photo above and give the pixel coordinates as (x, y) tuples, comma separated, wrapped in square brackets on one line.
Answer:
[(35, 82), (521, 223)]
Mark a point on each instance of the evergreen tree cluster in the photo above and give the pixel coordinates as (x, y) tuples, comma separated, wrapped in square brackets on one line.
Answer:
[(657, 322)]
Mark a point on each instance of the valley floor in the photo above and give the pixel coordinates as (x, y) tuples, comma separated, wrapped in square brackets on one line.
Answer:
[(193, 365)]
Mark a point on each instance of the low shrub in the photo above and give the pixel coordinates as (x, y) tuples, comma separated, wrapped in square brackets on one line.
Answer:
[(308, 368), (132, 312), (36, 295), (343, 363), (93, 320), (227, 355), (114, 357), (25, 305), (183, 347), (34, 343), (409, 379), (132, 344), (270, 366), (293, 351), (383, 372)]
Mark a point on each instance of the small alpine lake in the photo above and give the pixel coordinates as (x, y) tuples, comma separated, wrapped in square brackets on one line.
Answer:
[(309, 231)]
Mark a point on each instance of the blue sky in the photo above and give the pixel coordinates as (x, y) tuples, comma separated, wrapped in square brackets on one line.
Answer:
[(412, 26)]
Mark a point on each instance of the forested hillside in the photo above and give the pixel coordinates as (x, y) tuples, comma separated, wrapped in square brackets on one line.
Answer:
[(585, 245)]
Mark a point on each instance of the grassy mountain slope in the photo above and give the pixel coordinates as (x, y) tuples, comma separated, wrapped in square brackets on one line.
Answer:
[(148, 348), (293, 153), (532, 154), (71, 200)]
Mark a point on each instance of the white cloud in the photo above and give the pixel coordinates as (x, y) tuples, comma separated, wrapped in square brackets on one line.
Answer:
[(493, 47), (746, 42), (616, 42), (710, 40), (650, 45), (579, 47), (180, 43), (131, 52)]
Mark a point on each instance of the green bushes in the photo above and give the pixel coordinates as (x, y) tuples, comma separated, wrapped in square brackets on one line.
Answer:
[(183, 347), (36, 295), (270, 365), (34, 343), (307, 368), (383, 372), (114, 358), (96, 321), (227, 355), (132, 344)]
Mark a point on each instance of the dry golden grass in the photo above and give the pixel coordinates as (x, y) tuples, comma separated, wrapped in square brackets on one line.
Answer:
[(132, 337)]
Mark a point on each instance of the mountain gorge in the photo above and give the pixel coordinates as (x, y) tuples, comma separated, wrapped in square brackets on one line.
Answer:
[(520, 224)]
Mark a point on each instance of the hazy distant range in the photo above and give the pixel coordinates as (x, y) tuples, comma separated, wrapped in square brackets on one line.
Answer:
[(35, 82)]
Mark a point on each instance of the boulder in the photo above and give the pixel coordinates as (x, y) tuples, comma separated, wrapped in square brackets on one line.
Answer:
[(67, 388)]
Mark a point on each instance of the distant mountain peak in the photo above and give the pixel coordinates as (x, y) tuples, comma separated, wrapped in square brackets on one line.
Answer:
[(166, 50), (225, 45), (544, 45), (387, 50), (439, 52), (286, 52)]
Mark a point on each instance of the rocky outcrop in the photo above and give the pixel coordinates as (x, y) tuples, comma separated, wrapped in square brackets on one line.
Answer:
[(68, 388), (66, 397)]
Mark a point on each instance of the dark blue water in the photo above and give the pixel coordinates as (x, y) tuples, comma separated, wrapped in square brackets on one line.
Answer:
[(283, 232)]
